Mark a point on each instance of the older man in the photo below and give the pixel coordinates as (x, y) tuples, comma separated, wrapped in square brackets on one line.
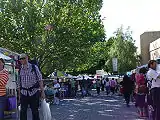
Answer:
[(30, 88)]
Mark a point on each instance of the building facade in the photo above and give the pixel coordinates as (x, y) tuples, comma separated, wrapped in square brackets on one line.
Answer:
[(154, 49), (145, 39)]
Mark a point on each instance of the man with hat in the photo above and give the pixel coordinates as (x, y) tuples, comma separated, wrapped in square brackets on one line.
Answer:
[(30, 87)]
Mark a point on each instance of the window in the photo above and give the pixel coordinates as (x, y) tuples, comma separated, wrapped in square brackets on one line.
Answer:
[(158, 61)]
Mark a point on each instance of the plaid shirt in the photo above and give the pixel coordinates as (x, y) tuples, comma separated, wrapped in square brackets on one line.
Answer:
[(28, 79)]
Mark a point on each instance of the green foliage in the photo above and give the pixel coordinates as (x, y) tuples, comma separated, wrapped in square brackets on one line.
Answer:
[(123, 48), (76, 27)]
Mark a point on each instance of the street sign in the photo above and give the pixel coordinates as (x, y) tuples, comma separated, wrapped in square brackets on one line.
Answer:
[(115, 64)]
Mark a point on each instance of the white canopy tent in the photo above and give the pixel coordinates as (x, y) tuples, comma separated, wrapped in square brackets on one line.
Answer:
[(86, 77), (5, 57), (71, 76)]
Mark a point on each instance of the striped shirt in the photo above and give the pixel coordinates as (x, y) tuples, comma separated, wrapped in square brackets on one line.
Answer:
[(4, 76), (28, 78)]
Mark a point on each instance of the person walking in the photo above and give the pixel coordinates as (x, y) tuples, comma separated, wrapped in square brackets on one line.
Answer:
[(141, 92), (72, 88), (107, 85), (98, 86), (69, 88), (113, 85), (4, 76), (154, 77), (127, 89), (103, 84), (56, 88), (30, 88)]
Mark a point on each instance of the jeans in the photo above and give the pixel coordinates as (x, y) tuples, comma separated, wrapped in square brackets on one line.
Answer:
[(33, 102), (2, 106)]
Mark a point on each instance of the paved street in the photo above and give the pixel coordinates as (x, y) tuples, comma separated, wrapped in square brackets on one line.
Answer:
[(94, 108)]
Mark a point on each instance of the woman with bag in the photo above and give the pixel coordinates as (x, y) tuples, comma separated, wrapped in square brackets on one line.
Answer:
[(141, 91), (3, 81)]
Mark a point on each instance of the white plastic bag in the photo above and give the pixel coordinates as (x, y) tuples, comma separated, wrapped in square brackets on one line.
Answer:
[(45, 109)]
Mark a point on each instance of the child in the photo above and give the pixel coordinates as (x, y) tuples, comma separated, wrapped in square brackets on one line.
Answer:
[(49, 90)]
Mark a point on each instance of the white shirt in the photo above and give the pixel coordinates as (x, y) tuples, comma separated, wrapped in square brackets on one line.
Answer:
[(103, 82), (57, 85), (152, 75), (107, 83)]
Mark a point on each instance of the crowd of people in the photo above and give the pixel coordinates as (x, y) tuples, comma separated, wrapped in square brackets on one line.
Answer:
[(142, 87)]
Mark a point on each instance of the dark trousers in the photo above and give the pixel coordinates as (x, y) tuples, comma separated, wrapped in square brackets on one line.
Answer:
[(69, 92), (112, 90), (2, 106), (107, 90), (98, 90), (102, 87), (33, 102), (73, 92), (155, 94), (127, 97)]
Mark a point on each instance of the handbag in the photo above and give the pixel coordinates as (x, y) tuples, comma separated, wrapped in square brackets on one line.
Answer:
[(45, 109), (11, 103)]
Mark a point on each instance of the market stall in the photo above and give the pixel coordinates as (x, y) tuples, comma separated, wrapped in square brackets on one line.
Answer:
[(10, 87)]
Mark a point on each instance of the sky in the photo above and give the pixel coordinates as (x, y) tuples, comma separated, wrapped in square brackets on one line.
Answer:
[(140, 15)]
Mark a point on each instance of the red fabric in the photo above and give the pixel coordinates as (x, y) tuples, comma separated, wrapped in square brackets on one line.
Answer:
[(121, 90), (4, 76), (140, 79)]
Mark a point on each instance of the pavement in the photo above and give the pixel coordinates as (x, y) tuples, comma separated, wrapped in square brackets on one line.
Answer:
[(101, 107)]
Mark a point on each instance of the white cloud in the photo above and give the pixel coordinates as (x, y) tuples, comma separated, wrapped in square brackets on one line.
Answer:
[(140, 15)]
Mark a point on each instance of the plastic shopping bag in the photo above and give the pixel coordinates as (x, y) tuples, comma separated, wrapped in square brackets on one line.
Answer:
[(45, 109)]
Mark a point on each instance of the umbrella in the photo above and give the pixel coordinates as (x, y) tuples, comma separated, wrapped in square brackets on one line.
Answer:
[(4, 57)]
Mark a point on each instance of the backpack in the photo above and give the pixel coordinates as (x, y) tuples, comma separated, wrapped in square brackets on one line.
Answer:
[(140, 81), (113, 83), (142, 89), (36, 85)]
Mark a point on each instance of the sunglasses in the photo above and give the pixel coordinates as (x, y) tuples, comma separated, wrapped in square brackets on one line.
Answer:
[(22, 58)]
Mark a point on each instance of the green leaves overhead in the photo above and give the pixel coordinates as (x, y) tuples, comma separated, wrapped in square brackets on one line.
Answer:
[(121, 46), (75, 27), (124, 49)]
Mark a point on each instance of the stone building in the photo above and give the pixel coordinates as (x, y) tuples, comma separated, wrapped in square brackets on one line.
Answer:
[(145, 40)]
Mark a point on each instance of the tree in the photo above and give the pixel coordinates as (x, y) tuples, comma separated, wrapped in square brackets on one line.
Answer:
[(74, 27), (96, 59), (124, 49)]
